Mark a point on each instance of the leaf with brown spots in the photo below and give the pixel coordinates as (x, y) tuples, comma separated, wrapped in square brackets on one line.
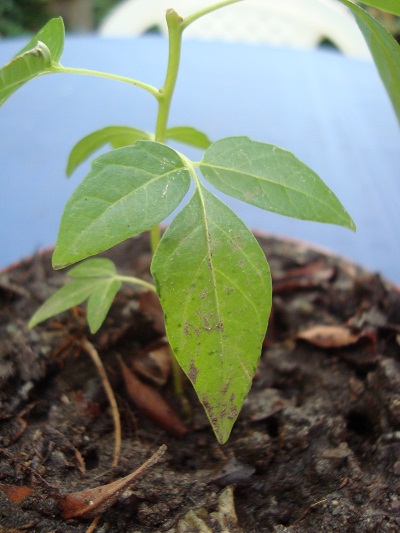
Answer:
[(214, 285)]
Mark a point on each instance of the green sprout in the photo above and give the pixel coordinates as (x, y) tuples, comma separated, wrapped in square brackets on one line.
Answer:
[(210, 274)]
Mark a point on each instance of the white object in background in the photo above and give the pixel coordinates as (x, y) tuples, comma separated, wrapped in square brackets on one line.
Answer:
[(296, 23)]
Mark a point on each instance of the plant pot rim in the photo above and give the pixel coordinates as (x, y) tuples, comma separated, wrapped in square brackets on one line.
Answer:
[(259, 234)]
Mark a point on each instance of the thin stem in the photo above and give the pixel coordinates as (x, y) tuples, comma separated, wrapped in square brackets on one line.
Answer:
[(90, 350), (174, 23), (136, 281), (191, 18), (87, 72), (155, 236), (177, 379)]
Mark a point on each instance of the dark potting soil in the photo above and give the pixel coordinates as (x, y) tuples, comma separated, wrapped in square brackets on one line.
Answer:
[(316, 446)]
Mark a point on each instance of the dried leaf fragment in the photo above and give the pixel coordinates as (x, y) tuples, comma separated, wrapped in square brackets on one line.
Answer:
[(224, 519), (152, 404), (154, 364), (93, 502), (309, 276), (150, 306), (330, 336), (15, 493)]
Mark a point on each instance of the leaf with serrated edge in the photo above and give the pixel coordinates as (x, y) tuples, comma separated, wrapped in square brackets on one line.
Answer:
[(384, 49), (271, 178), (117, 136), (188, 135), (215, 288), (128, 190)]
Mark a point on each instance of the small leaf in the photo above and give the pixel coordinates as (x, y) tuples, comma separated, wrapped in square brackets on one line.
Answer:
[(128, 190), (271, 178), (100, 301), (38, 57), (95, 268), (188, 135), (384, 49), (215, 288), (95, 281), (117, 136), (70, 295)]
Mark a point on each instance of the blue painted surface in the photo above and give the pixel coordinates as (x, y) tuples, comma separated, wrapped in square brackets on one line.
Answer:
[(330, 110)]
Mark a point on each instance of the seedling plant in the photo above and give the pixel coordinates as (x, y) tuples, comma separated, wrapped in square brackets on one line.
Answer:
[(209, 272)]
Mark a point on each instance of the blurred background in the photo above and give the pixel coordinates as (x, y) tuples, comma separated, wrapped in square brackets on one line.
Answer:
[(19, 17)]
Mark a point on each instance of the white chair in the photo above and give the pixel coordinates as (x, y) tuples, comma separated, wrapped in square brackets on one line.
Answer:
[(297, 23)]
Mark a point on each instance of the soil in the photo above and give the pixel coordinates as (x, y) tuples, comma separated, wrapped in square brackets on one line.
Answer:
[(316, 446)]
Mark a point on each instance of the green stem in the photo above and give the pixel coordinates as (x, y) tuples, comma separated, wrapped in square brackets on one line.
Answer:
[(87, 72), (164, 97), (209, 9), (174, 23), (155, 236), (136, 281)]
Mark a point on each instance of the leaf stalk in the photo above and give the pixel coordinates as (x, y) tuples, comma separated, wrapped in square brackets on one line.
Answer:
[(59, 69)]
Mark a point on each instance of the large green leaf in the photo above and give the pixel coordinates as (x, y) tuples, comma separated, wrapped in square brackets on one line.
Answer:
[(188, 135), (384, 49), (37, 58), (392, 6), (127, 191), (96, 280), (117, 136), (271, 178), (215, 288)]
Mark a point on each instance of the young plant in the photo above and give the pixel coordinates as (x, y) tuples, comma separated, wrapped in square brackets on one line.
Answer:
[(210, 274)]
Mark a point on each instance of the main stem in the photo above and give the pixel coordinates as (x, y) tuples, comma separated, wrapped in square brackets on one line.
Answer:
[(175, 29), (176, 24), (164, 97)]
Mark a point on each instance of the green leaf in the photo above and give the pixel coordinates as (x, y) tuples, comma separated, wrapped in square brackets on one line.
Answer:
[(93, 268), (215, 288), (52, 35), (117, 136), (71, 294), (188, 135), (392, 6), (384, 49), (128, 190), (100, 301), (95, 281), (271, 178), (35, 59)]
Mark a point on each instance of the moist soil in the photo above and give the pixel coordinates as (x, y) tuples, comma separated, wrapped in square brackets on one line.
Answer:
[(315, 448)]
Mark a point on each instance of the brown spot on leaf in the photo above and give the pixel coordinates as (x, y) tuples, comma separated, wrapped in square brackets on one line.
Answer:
[(193, 371)]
